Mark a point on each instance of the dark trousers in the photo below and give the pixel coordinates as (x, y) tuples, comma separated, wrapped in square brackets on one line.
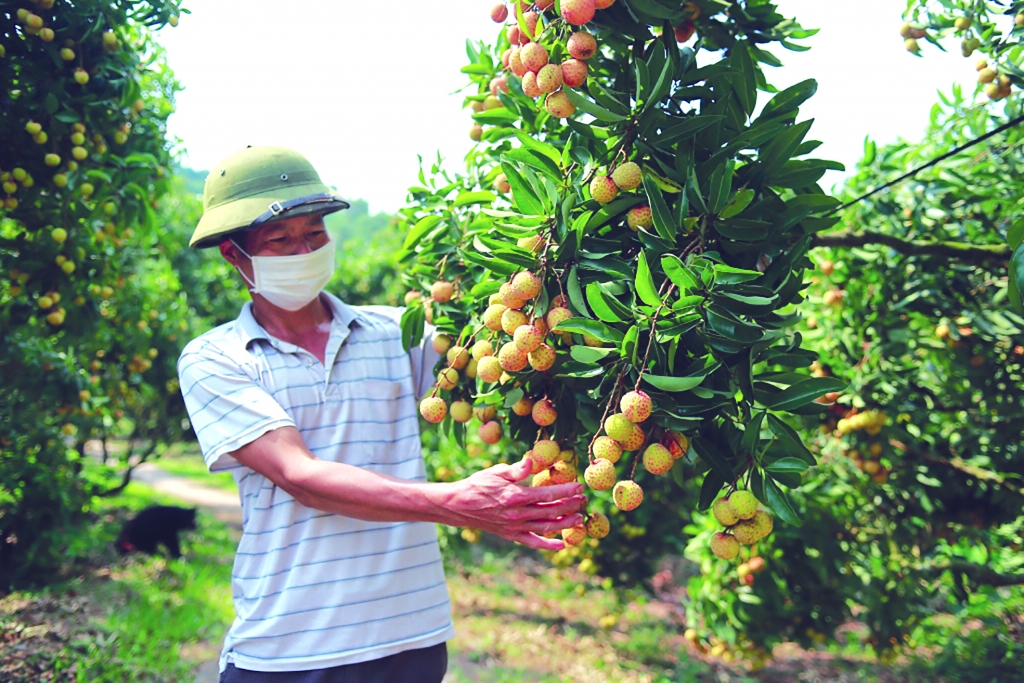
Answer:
[(426, 665)]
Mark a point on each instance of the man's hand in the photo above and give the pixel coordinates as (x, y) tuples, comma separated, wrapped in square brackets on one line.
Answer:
[(492, 500)]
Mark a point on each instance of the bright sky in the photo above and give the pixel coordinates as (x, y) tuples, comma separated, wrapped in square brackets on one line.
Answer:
[(361, 94)]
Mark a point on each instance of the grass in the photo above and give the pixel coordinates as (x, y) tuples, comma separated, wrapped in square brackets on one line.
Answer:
[(188, 462), (134, 619)]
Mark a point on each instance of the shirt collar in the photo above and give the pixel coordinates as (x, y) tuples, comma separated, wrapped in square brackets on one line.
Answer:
[(249, 330)]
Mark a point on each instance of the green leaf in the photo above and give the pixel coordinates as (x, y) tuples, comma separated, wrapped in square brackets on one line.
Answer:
[(673, 384), (801, 393), (737, 204), (790, 440), (659, 209), (576, 294), (498, 115), (610, 210), (412, 325), (592, 108), (719, 188), (778, 501), (787, 465), (710, 454), (752, 435), (522, 194), (727, 275), (422, 227), (709, 489), (1017, 262), (1015, 233), (536, 145), (596, 299), (679, 130), (588, 354), (789, 99), (594, 328), (680, 274), (480, 197), (645, 287)]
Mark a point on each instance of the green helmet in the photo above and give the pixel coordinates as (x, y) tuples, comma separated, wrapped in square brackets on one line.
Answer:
[(260, 185)]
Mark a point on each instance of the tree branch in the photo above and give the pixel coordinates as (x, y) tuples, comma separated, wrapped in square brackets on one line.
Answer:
[(979, 574), (975, 254)]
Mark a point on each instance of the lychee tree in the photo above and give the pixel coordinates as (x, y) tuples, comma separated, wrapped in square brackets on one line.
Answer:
[(622, 260), (90, 308)]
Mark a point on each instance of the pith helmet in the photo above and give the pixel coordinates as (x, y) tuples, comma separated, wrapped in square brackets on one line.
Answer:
[(260, 185)]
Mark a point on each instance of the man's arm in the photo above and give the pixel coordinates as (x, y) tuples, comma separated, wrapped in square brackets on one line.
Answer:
[(490, 499)]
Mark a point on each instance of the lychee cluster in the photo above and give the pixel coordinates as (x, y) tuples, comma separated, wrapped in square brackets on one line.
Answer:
[(871, 421), (745, 523), (625, 177)]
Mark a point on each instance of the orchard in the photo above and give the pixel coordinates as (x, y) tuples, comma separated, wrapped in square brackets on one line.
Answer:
[(638, 282)]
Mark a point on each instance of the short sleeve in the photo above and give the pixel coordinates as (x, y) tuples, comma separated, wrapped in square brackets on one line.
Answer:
[(422, 357), (228, 408)]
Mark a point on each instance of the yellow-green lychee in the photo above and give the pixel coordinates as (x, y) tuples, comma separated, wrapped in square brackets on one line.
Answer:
[(627, 495), (724, 512), (746, 531), (600, 475), (618, 427), (743, 503), (598, 525), (725, 546), (657, 459), (607, 448), (627, 176)]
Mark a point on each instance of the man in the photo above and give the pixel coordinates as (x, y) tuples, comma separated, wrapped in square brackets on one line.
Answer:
[(312, 405)]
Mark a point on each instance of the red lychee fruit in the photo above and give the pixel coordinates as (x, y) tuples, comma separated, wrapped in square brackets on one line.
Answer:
[(546, 452), (684, 31), (557, 315), (530, 87), (492, 316), (549, 78), (578, 12), (574, 535), (603, 4), (640, 217), (600, 475), (490, 432), (515, 63), (527, 338), (523, 406), (458, 357), (482, 349), (581, 45), (657, 459), (442, 291), (542, 358), (511, 320), (725, 546), (499, 13), (627, 495), (441, 343), (558, 105), (603, 189), (598, 525), (544, 413), (488, 369), (635, 440), (526, 284), (461, 411), (607, 448), (676, 443), (534, 56), (563, 472), (511, 358), (574, 73), (433, 409), (636, 406), (499, 84)]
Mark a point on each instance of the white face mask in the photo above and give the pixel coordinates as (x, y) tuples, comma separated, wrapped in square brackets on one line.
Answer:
[(291, 282)]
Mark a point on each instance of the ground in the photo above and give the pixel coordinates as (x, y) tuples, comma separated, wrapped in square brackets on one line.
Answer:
[(517, 618)]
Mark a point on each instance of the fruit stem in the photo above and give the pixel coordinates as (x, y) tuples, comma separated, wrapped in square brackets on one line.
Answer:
[(611, 400)]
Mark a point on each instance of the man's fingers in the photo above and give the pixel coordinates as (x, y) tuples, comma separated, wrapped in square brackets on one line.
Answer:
[(538, 542), (549, 494), (517, 472), (554, 510), (546, 526)]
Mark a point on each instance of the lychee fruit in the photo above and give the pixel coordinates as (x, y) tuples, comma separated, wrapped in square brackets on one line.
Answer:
[(559, 106), (515, 62), (563, 472), (442, 291), (527, 337), (512, 320), (627, 176), (546, 452), (635, 440), (743, 503), (530, 87), (578, 12), (526, 285), (756, 564), (458, 357), (544, 413), (676, 443), (499, 13), (471, 368), (746, 531), (412, 295), (501, 184), (534, 56), (627, 495), (485, 413), (581, 45), (482, 349), (498, 84), (725, 546), (723, 512), (600, 475), (549, 78), (492, 102), (544, 5), (640, 217), (598, 525), (441, 343), (684, 31), (657, 459), (448, 378), (505, 56), (557, 315), (607, 448), (510, 298), (515, 36), (636, 406), (490, 432), (433, 409), (541, 358), (461, 411), (492, 317), (618, 427), (574, 73), (542, 478), (574, 535), (603, 4), (603, 189), (511, 358), (488, 369), (533, 243), (523, 406), (764, 523)]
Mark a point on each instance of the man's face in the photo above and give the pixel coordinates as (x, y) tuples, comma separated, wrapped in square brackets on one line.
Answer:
[(287, 237)]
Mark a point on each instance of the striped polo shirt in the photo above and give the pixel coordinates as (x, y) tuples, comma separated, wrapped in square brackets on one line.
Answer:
[(314, 589)]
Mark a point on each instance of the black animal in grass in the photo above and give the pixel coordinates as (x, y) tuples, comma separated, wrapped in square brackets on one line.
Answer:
[(158, 524)]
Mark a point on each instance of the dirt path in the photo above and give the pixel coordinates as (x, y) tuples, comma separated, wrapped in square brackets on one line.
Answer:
[(223, 505)]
